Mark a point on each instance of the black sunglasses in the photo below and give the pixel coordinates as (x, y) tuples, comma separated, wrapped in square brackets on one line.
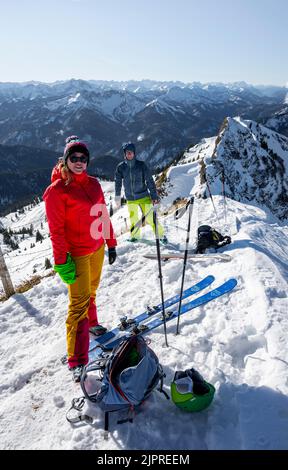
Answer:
[(82, 159)]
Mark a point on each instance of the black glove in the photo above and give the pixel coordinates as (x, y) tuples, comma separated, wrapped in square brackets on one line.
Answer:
[(112, 255)]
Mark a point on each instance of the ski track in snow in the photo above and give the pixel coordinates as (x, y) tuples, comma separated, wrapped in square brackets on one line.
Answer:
[(237, 342)]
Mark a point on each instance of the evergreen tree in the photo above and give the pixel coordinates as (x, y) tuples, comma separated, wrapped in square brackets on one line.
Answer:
[(39, 237), (48, 264)]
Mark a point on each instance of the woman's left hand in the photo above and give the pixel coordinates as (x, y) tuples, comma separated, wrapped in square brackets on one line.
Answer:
[(112, 255)]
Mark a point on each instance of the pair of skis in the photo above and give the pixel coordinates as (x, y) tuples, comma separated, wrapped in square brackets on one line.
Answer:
[(127, 324), (109, 340)]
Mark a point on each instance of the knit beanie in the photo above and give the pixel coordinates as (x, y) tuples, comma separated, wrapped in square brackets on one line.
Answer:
[(73, 144)]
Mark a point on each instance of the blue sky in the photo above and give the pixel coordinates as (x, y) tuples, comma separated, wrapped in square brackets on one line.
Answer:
[(187, 40)]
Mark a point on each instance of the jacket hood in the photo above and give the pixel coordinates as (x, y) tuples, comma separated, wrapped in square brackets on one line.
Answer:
[(56, 173)]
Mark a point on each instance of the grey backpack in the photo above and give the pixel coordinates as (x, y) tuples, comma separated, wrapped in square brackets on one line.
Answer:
[(125, 379)]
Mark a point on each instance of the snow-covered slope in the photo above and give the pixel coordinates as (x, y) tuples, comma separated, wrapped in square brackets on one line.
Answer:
[(255, 160), (255, 163), (238, 342), (181, 178)]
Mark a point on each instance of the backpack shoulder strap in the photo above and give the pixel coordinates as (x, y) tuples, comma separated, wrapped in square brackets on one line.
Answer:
[(162, 375)]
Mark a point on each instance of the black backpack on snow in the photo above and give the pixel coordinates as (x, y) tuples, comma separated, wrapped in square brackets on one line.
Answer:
[(210, 238)]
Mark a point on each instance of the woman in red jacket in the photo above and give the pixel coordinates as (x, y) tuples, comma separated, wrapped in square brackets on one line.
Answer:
[(79, 226)]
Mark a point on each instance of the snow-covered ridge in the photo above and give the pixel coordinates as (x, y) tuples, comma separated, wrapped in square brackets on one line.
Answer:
[(255, 163)]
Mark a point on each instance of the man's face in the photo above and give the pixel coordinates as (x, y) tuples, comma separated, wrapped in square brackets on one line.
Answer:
[(129, 154)]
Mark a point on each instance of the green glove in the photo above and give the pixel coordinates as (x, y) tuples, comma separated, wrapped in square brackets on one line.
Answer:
[(67, 271)]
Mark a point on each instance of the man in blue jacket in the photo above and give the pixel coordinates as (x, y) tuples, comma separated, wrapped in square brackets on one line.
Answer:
[(140, 190)]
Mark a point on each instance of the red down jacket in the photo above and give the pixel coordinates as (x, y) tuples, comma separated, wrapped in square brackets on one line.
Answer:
[(77, 216)]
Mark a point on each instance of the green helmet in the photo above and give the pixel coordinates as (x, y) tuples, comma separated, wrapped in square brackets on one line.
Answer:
[(190, 392)]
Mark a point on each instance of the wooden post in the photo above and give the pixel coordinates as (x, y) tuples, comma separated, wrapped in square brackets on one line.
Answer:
[(5, 276)]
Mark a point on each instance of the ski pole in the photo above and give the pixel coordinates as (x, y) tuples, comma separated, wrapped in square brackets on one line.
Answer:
[(210, 195), (224, 195), (155, 221), (185, 262)]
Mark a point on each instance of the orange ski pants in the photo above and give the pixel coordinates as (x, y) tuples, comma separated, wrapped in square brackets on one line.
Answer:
[(82, 309)]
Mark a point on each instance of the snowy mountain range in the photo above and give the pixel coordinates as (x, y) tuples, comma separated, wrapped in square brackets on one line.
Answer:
[(163, 118)]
